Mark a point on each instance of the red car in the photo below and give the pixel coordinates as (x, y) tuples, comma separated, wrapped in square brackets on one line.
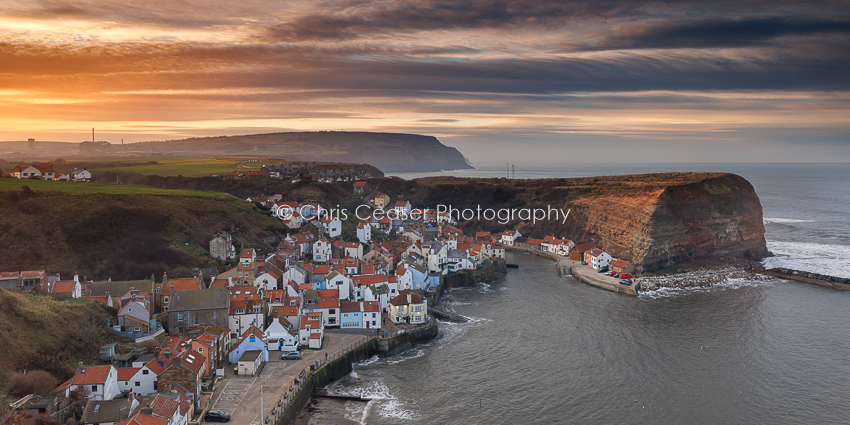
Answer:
[(625, 276)]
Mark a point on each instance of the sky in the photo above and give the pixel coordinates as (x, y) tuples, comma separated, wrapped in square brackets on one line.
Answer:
[(542, 80)]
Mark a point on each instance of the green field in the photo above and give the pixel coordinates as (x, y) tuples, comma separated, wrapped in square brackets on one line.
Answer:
[(73, 187), (187, 167)]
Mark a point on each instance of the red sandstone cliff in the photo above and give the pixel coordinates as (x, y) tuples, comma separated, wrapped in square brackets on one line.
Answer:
[(718, 216)]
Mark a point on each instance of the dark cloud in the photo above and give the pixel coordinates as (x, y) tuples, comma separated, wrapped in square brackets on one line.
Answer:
[(368, 18), (722, 33)]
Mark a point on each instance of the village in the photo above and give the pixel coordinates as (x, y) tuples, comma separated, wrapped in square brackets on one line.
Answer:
[(217, 331)]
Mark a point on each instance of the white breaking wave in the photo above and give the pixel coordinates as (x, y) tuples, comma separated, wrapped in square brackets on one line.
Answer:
[(728, 284), (781, 220), (828, 259)]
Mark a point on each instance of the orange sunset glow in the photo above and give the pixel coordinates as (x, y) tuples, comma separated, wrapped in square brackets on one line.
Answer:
[(632, 76)]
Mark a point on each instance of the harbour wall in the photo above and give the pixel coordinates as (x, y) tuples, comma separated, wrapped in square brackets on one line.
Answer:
[(839, 283), (589, 278), (342, 365)]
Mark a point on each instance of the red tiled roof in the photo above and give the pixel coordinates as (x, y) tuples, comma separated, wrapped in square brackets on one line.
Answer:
[(126, 373), (179, 285), (192, 360), (371, 307), (359, 184), (63, 286), (164, 406), (91, 375), (368, 279)]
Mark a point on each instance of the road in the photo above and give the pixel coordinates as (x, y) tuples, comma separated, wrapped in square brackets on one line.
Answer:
[(240, 396)]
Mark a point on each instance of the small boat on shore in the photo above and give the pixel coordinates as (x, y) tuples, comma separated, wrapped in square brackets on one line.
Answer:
[(512, 266)]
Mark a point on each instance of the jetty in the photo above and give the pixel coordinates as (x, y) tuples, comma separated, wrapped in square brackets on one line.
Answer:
[(833, 282), (589, 276), (449, 317)]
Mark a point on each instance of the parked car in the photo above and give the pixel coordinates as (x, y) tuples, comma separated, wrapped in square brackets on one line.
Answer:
[(216, 416), (626, 275), (291, 355), (611, 274), (584, 263), (602, 270), (626, 282)]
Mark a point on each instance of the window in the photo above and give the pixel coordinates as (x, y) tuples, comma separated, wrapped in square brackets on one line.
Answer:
[(201, 349), (138, 384), (196, 320), (94, 388), (180, 317), (215, 315), (145, 371)]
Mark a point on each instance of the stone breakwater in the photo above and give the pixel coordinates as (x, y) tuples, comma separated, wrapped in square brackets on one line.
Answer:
[(702, 277), (834, 282)]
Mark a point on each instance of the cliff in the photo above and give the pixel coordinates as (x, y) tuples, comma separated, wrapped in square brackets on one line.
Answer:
[(390, 152), (654, 220), (718, 216)]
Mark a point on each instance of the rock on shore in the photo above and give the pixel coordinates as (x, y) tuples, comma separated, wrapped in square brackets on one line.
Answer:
[(701, 277)]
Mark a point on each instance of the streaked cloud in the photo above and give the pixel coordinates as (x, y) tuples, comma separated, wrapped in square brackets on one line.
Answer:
[(633, 71)]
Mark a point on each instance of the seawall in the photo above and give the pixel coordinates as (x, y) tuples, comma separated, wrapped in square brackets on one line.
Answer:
[(343, 365), (548, 255), (324, 375), (589, 276), (833, 282)]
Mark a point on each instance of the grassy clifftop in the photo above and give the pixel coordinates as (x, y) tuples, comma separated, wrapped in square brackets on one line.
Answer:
[(98, 233), (390, 152)]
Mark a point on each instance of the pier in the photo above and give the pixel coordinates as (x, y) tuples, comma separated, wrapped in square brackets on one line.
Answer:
[(589, 276), (839, 283)]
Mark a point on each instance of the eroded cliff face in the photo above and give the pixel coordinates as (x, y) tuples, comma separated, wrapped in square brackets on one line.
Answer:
[(720, 216)]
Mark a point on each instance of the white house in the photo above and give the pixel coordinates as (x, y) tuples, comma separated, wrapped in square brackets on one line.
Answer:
[(141, 380), (403, 208), (509, 236), (68, 288), (80, 175), (364, 232), (101, 382), (322, 251), (354, 250), (281, 336), (332, 226), (268, 280), (599, 259), (340, 283), (312, 331)]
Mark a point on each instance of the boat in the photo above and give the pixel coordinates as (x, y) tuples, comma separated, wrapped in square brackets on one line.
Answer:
[(512, 266)]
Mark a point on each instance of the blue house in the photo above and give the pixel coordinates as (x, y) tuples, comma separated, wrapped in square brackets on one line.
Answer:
[(351, 315), (252, 340)]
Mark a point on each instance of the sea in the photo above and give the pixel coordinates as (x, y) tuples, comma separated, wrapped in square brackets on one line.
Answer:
[(544, 349)]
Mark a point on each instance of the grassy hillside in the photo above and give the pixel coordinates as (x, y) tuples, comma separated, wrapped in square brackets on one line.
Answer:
[(98, 233), (38, 332), (73, 187)]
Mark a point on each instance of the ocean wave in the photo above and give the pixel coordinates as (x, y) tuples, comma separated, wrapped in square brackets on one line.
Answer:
[(411, 354), (387, 405), (370, 361), (780, 220), (484, 287), (728, 284), (828, 259)]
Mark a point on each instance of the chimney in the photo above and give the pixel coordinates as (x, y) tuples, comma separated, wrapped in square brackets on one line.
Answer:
[(76, 278), (164, 277), (153, 278), (176, 361), (80, 365)]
